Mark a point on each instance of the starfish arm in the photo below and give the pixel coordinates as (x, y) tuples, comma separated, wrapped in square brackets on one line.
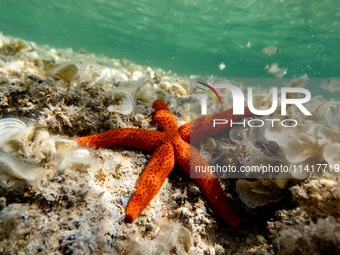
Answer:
[(165, 121), (160, 165), (147, 140), (160, 105), (203, 128), (184, 132), (207, 181)]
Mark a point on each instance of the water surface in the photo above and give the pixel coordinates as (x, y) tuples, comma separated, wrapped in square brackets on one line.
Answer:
[(190, 36)]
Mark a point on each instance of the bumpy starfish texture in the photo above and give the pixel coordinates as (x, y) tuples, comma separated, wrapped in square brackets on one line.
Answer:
[(169, 145)]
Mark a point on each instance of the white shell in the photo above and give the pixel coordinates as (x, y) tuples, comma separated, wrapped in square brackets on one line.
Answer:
[(67, 72), (172, 87), (331, 153), (9, 127), (81, 154), (210, 144), (238, 134), (145, 93), (333, 116), (125, 103), (121, 77), (64, 145), (255, 194), (136, 75), (160, 94), (80, 160), (299, 147), (139, 117), (300, 173), (17, 169), (177, 89)]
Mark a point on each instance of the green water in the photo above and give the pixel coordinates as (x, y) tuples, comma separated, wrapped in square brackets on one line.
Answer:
[(189, 36)]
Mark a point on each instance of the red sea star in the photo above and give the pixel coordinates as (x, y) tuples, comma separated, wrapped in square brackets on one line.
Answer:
[(168, 144)]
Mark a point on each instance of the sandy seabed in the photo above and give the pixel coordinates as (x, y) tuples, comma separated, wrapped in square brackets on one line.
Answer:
[(59, 198)]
